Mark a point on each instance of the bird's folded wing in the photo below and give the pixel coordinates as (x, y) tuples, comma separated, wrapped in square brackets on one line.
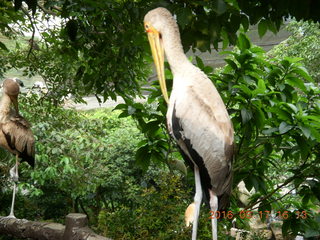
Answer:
[(18, 135)]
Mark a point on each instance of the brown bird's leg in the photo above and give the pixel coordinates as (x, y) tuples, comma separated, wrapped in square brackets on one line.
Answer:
[(15, 177), (214, 207)]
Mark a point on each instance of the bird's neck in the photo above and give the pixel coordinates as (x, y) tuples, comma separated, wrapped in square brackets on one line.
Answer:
[(5, 105), (174, 51)]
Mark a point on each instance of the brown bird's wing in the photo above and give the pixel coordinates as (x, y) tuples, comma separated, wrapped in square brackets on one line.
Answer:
[(20, 138)]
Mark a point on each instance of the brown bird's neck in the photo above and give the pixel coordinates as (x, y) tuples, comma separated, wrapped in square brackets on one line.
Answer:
[(5, 105)]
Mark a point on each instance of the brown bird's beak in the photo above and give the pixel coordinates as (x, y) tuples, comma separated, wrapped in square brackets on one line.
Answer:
[(158, 57)]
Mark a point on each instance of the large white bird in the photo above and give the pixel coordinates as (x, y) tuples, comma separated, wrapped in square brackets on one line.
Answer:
[(197, 117), (15, 133)]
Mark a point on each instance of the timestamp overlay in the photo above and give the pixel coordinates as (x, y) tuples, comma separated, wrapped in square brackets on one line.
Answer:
[(247, 214)]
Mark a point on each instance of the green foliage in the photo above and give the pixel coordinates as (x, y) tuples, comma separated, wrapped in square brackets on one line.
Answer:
[(150, 119), (100, 47), (83, 160), (85, 163), (274, 107), (304, 43), (158, 215)]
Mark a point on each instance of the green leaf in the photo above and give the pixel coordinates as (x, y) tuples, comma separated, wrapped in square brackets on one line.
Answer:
[(235, 21), (184, 16), (3, 46), (261, 88), (272, 26), (305, 130), (267, 149), (255, 182), (269, 131), (121, 106), (246, 115), (225, 40), (219, 6), (262, 27), (143, 157), (303, 73), (296, 82), (243, 42), (259, 118), (199, 63), (233, 3), (284, 127), (246, 92), (245, 22), (232, 64), (292, 107), (152, 127)]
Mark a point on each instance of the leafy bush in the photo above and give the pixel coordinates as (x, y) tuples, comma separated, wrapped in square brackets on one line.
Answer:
[(85, 162), (82, 158), (304, 42)]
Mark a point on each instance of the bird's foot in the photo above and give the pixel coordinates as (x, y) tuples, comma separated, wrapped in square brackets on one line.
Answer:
[(11, 216), (14, 174)]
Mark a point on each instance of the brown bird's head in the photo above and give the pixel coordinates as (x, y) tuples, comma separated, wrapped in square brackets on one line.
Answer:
[(11, 87)]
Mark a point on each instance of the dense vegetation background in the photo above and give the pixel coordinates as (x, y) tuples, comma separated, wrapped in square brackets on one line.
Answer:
[(120, 167)]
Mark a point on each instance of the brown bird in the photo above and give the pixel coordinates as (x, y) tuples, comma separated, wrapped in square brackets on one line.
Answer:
[(196, 118), (15, 133)]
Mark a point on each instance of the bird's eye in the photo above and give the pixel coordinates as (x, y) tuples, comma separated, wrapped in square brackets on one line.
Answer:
[(146, 26)]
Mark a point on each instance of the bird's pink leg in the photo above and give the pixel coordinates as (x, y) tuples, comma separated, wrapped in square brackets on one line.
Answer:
[(11, 215), (15, 177), (214, 207), (197, 201)]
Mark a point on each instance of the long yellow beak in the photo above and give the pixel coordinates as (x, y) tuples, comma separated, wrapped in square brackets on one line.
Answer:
[(158, 57)]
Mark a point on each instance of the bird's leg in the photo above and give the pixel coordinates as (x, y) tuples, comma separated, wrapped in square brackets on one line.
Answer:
[(15, 177), (197, 201), (214, 207), (11, 215)]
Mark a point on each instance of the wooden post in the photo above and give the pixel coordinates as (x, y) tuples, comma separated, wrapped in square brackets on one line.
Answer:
[(74, 221), (77, 228)]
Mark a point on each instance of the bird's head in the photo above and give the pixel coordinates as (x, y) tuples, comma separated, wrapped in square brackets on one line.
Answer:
[(11, 87), (155, 24)]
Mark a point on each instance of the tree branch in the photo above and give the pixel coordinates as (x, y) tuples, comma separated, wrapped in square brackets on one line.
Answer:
[(33, 30), (47, 11), (76, 228)]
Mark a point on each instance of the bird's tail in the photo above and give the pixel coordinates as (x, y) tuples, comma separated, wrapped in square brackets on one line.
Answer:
[(224, 199), (29, 159)]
